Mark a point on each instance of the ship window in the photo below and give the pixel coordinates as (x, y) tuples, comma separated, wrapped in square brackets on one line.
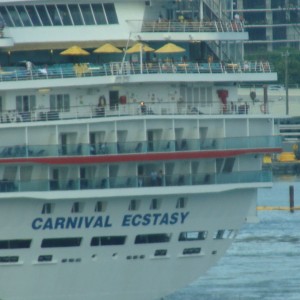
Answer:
[(76, 14), (219, 235), (25, 103), (64, 14), (61, 242), (47, 208), (155, 204), (33, 15), (110, 13), (228, 166), (87, 14), (225, 234), (59, 15), (24, 16), (206, 96), (209, 96), (189, 251), (133, 205), (181, 202), (160, 252), (100, 206), (108, 240), (41, 9), (77, 207), (14, 15), (219, 164), (6, 17), (9, 259), (60, 102), (152, 238), (43, 258), (192, 236), (14, 244), (53, 13), (99, 13)]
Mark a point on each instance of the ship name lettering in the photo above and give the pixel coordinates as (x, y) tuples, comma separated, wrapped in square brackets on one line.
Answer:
[(71, 223), (154, 219)]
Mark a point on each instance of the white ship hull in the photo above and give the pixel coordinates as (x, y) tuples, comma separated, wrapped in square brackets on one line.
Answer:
[(124, 272)]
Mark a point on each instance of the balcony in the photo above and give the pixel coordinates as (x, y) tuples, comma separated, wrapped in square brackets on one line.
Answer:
[(135, 182), (138, 147)]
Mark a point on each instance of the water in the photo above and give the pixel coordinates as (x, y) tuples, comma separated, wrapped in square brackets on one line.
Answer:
[(264, 261)]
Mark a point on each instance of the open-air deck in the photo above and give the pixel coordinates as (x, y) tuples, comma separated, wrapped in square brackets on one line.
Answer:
[(126, 68)]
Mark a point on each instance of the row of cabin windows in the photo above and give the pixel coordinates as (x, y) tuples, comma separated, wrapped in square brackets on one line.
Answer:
[(49, 258), (100, 206), (58, 102), (58, 14), (153, 238)]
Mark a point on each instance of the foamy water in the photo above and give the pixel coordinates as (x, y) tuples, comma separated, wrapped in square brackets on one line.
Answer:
[(264, 261)]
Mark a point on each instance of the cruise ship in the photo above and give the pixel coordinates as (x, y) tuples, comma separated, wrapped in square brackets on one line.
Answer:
[(128, 161)]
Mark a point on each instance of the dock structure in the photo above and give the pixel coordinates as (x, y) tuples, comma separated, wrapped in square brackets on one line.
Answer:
[(291, 206), (284, 208)]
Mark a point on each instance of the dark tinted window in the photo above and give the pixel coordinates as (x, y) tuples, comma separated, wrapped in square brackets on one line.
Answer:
[(33, 15), (24, 16), (6, 17), (9, 259), (108, 240), (110, 13), (152, 238), (45, 258), (61, 242), (64, 14), (160, 252), (14, 244), (14, 15), (87, 14), (43, 15), (76, 14), (53, 13), (99, 14), (189, 251)]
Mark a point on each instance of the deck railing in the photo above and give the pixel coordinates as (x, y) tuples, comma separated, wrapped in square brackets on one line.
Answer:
[(135, 108), (186, 179), (190, 26), (126, 68), (86, 149)]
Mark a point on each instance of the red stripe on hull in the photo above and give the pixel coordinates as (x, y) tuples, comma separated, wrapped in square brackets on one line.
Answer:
[(117, 158)]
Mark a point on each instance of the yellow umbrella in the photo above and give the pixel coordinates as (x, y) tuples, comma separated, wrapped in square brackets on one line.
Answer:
[(170, 48), (139, 47), (107, 48), (74, 51)]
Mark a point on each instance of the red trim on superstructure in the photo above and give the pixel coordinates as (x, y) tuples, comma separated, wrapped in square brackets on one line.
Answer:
[(117, 158)]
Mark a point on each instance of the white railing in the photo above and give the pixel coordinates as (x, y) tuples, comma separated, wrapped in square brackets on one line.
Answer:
[(190, 26), (127, 68)]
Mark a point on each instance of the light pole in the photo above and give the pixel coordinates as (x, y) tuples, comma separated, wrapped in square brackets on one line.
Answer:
[(286, 55)]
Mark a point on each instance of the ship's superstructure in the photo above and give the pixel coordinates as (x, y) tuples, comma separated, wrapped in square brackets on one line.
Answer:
[(127, 173)]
